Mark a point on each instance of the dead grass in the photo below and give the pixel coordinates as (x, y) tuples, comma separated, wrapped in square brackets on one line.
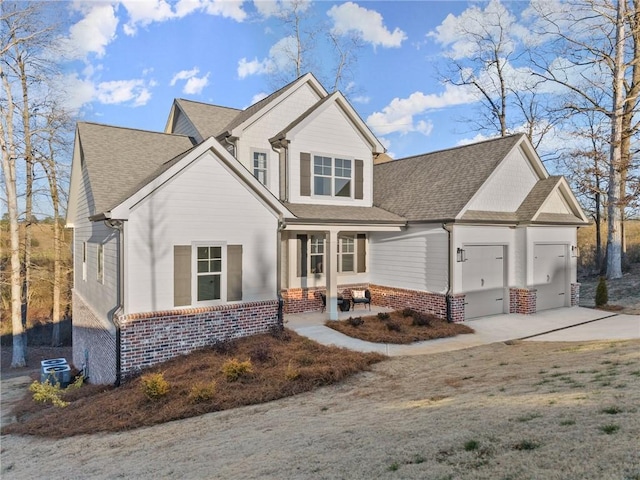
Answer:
[(401, 327), (281, 365)]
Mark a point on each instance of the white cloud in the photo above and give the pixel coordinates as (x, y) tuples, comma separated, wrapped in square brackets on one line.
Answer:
[(184, 75), (279, 59), (398, 116), (76, 91), (92, 33), (367, 24), (258, 96), (271, 8), (194, 84), (144, 12), (133, 91), (361, 99)]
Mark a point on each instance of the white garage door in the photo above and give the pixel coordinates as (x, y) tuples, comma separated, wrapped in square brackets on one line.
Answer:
[(483, 280), (550, 275)]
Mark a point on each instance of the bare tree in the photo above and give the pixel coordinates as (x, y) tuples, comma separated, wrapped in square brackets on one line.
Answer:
[(589, 55)]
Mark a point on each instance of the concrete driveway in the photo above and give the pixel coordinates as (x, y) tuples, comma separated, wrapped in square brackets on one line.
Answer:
[(563, 324)]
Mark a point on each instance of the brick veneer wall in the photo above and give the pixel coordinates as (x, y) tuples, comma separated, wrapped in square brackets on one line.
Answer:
[(522, 300), (300, 300), (151, 338), (90, 335), (575, 294)]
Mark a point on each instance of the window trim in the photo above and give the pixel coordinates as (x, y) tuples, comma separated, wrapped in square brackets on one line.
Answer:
[(100, 263), (354, 254), (255, 151), (194, 273), (333, 176)]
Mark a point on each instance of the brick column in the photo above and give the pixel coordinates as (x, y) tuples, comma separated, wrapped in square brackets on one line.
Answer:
[(522, 300), (575, 294)]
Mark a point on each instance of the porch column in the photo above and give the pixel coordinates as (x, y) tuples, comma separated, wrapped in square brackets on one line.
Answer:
[(331, 273)]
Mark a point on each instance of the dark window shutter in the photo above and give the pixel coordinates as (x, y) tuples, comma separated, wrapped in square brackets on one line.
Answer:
[(301, 262), (305, 174), (362, 252), (359, 187), (234, 273), (181, 275)]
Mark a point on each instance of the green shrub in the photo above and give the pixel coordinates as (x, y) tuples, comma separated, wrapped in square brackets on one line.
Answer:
[(233, 369), (408, 312), (202, 392), (383, 316), (420, 320), (46, 392), (471, 445), (154, 386), (602, 295)]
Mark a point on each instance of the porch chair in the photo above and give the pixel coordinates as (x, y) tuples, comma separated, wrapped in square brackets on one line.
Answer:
[(360, 296)]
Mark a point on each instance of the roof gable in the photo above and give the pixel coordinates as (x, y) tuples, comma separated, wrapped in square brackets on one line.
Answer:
[(338, 100), (437, 186), (207, 120)]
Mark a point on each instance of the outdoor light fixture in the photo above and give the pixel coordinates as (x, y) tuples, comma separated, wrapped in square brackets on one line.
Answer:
[(575, 251), (461, 255)]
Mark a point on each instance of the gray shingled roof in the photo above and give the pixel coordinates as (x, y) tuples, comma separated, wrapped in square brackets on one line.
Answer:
[(537, 196), (341, 214), (209, 120), (120, 160), (437, 186)]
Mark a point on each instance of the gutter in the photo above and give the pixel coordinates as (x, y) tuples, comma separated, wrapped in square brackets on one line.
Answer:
[(118, 225), (281, 226), (449, 313)]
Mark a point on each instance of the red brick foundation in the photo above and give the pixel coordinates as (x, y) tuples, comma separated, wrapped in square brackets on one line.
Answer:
[(151, 338), (522, 300), (425, 302), (301, 300)]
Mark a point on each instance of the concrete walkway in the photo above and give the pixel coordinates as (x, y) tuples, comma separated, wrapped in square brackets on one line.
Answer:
[(563, 324)]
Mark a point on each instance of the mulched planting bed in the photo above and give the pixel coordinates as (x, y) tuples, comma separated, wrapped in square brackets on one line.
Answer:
[(240, 372), (402, 327)]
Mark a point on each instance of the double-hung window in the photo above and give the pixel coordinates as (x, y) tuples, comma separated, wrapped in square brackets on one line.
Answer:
[(332, 176), (346, 254), (317, 254), (260, 166), (209, 273)]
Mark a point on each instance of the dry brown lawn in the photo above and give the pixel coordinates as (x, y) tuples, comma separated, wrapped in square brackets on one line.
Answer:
[(280, 365), (399, 327), (553, 411)]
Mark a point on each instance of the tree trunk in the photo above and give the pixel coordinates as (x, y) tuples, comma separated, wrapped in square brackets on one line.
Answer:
[(614, 237), (7, 138)]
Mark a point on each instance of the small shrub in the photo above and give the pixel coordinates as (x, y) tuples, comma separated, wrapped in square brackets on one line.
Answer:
[(355, 321), (394, 467), (154, 386), (383, 316), (261, 353), (611, 410), (224, 347), (202, 392), (526, 445), (233, 369), (279, 333), (602, 295), (421, 320), (609, 429), (47, 393), (77, 383), (408, 312), (568, 422), (291, 373), (394, 327), (471, 445)]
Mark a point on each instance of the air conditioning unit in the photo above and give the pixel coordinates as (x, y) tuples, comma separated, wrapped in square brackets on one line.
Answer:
[(52, 362), (56, 373)]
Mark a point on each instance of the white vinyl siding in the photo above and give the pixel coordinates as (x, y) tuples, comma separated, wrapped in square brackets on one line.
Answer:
[(183, 126), (415, 259), (346, 143), (202, 203), (256, 135), (100, 297)]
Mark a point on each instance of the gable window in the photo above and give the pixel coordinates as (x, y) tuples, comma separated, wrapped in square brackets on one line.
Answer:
[(84, 261), (260, 166), (100, 263), (332, 176), (209, 274)]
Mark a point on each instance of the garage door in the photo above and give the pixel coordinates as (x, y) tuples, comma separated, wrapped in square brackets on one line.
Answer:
[(483, 280), (550, 275)]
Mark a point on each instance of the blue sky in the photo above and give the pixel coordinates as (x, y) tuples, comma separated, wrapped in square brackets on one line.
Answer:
[(131, 58)]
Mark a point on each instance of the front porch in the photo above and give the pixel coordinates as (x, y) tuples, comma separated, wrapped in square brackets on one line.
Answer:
[(318, 317)]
